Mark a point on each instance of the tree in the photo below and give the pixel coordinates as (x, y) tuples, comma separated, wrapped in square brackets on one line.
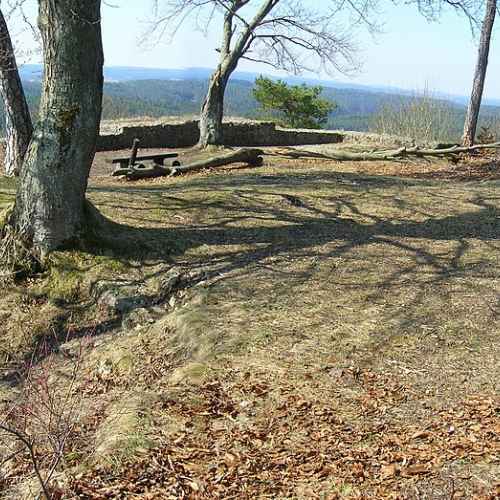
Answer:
[(470, 8), (18, 120), (299, 106), (50, 207), (480, 74), (433, 9), (286, 34)]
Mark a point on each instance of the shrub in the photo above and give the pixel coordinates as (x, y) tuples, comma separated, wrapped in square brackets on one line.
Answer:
[(421, 117)]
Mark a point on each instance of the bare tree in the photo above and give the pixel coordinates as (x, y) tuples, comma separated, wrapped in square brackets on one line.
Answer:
[(18, 120), (432, 9), (291, 35), (50, 207), (471, 9), (480, 74)]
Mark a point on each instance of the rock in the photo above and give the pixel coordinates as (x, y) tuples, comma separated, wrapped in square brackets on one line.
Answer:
[(105, 369), (72, 348), (137, 318), (170, 282), (115, 364), (120, 301)]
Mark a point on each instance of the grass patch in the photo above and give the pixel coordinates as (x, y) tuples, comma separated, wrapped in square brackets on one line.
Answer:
[(5, 212), (124, 432), (70, 275)]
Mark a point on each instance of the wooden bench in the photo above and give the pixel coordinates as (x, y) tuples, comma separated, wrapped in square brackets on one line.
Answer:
[(158, 159)]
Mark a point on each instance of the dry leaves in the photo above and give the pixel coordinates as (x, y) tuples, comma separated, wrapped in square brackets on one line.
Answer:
[(302, 444)]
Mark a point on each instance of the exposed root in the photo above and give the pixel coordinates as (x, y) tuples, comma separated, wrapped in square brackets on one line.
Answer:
[(16, 259)]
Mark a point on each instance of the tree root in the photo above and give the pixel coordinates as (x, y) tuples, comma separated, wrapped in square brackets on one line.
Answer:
[(16, 260), (19, 261)]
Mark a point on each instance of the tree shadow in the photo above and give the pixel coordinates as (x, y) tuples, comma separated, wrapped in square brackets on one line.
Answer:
[(260, 221), (280, 223)]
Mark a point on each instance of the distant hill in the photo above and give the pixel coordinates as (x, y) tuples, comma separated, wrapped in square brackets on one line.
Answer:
[(130, 73), (131, 92), (160, 97), (177, 97)]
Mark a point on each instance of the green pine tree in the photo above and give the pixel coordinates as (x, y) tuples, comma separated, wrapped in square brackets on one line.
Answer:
[(296, 106)]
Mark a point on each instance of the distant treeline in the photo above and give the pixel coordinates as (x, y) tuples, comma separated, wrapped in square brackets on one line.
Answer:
[(356, 109)]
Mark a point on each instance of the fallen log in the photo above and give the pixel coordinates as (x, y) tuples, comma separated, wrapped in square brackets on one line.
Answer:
[(249, 156), (404, 152)]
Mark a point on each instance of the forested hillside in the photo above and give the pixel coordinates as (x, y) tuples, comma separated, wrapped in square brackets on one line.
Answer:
[(355, 107)]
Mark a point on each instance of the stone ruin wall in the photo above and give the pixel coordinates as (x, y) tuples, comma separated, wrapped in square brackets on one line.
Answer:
[(186, 134)]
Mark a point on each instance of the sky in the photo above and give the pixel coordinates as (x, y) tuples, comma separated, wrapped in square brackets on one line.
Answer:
[(409, 53)]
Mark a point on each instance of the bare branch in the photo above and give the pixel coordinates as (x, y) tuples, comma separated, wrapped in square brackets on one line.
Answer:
[(433, 9), (291, 35)]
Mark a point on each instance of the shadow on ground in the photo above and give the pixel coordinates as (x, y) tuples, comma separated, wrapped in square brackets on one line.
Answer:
[(389, 234)]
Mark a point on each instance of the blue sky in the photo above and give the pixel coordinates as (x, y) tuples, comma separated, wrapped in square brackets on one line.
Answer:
[(410, 52)]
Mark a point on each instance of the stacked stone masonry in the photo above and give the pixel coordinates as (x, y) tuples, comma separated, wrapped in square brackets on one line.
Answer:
[(186, 134)]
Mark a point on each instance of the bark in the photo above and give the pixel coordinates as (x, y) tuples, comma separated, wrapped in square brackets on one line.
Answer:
[(19, 127), (394, 154), (212, 111), (141, 171), (244, 155), (49, 211), (480, 74)]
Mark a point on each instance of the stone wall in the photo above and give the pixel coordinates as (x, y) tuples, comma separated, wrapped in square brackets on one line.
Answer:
[(181, 134), (186, 134)]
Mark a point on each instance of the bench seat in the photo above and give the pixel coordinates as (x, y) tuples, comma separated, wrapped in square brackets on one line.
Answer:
[(157, 158)]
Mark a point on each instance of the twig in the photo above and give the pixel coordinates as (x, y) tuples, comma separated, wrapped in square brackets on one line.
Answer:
[(30, 447)]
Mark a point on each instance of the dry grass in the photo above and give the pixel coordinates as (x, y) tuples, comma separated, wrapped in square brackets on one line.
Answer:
[(341, 340), (421, 116)]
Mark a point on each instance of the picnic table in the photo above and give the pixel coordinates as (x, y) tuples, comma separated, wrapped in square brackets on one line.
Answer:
[(132, 168), (157, 158)]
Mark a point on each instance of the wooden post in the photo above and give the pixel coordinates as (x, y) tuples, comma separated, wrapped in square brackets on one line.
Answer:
[(133, 152)]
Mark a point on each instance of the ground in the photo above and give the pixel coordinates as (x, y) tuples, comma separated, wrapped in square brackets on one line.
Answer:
[(306, 329)]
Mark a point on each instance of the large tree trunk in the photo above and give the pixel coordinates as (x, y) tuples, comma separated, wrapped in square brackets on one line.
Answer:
[(480, 74), (212, 111), (49, 211), (18, 120)]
